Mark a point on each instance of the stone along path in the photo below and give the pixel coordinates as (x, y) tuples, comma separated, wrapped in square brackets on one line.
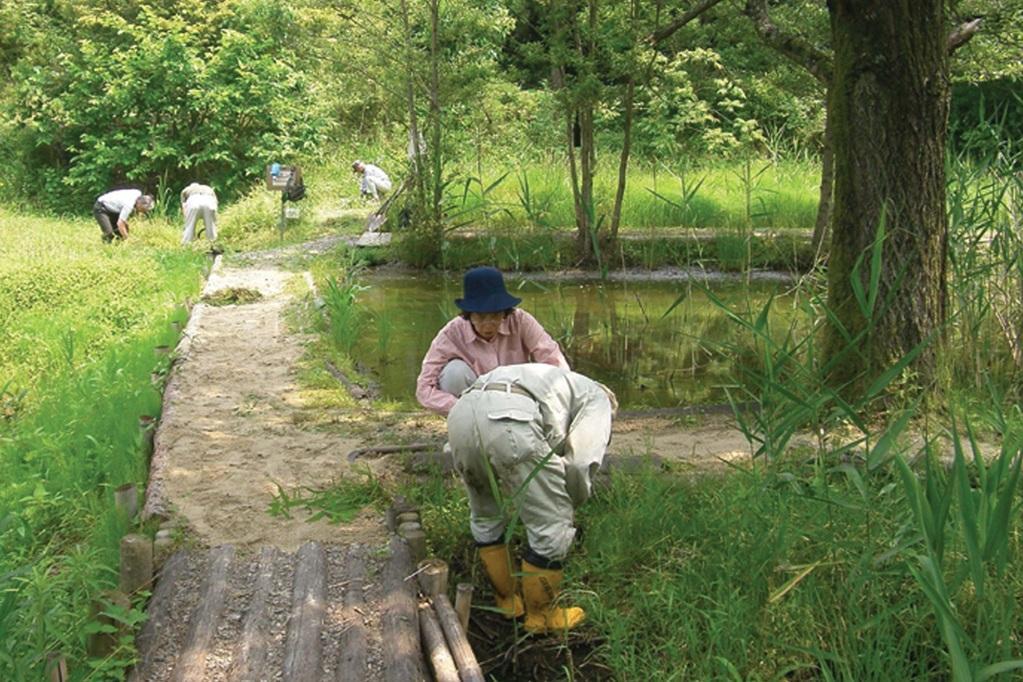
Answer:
[(273, 598)]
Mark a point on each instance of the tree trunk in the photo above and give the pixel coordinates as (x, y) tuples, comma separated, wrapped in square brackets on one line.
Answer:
[(889, 114)]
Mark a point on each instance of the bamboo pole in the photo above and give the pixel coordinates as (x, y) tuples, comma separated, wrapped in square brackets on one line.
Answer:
[(465, 659), (444, 669), (463, 603)]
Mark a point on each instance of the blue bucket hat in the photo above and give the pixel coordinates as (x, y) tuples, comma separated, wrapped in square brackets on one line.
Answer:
[(483, 292)]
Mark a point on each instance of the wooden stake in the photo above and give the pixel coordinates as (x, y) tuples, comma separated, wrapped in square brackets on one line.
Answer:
[(126, 499), (147, 428), (408, 526), (444, 669), (465, 659), (463, 603), (433, 577), (56, 667), (136, 563), (408, 517), (103, 644), (416, 540)]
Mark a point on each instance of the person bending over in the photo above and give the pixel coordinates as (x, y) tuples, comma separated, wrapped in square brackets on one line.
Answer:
[(527, 439)]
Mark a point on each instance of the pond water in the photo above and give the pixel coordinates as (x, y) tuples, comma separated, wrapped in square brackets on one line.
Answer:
[(619, 333)]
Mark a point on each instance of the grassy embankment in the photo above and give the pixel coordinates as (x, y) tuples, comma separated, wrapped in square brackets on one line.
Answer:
[(80, 321)]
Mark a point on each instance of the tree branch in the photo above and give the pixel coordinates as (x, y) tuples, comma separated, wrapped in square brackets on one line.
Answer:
[(797, 49), (668, 30), (962, 34)]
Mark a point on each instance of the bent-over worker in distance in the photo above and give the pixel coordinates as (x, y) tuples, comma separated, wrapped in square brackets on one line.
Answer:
[(112, 210), (199, 200), (374, 180), (541, 433), (489, 333)]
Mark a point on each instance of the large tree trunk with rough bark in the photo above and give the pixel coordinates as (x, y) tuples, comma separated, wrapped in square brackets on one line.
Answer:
[(889, 114)]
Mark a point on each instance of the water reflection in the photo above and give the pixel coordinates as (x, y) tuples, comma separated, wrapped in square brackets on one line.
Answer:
[(620, 333)]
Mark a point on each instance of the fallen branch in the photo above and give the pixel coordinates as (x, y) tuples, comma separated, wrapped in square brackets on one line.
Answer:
[(388, 449)]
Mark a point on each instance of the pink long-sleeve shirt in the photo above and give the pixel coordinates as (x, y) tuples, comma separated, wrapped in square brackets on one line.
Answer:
[(519, 339)]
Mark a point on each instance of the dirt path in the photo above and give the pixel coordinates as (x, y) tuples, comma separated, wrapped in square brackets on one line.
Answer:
[(228, 436)]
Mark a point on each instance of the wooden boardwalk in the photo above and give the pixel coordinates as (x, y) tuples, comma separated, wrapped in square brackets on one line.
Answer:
[(322, 613)]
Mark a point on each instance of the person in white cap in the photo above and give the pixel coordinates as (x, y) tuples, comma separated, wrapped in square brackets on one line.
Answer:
[(535, 435), (374, 180), (112, 210), (199, 200)]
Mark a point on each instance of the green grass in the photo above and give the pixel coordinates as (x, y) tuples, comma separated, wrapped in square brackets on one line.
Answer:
[(714, 196), (81, 320)]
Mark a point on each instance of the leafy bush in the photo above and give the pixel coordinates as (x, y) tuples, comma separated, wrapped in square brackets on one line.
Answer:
[(154, 96)]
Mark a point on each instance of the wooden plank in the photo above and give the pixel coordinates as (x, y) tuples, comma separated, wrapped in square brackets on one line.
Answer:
[(159, 616), (303, 648), (351, 664), (437, 652), (249, 660), (468, 668), (399, 618), (191, 665)]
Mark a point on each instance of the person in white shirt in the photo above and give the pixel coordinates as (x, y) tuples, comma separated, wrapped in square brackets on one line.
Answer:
[(112, 210), (533, 435), (199, 200), (374, 180)]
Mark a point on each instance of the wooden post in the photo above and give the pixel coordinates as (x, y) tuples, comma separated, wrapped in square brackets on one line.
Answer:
[(408, 517), (56, 667), (416, 540), (433, 577), (408, 526), (444, 669), (163, 546), (136, 563), (147, 428), (126, 499), (103, 644), (465, 659), (463, 602)]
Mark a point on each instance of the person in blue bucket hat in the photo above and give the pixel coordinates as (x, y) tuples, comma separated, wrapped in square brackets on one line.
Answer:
[(491, 332)]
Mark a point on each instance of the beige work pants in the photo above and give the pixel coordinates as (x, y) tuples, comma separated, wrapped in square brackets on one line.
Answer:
[(497, 443)]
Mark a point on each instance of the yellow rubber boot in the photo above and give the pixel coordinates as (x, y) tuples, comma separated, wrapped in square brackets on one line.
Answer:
[(540, 589), (497, 564)]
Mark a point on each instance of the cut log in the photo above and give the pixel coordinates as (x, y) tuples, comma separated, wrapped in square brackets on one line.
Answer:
[(136, 563), (433, 576), (191, 663), (249, 660), (303, 649), (399, 619), (444, 669), (159, 616), (465, 659), (463, 604), (351, 665)]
